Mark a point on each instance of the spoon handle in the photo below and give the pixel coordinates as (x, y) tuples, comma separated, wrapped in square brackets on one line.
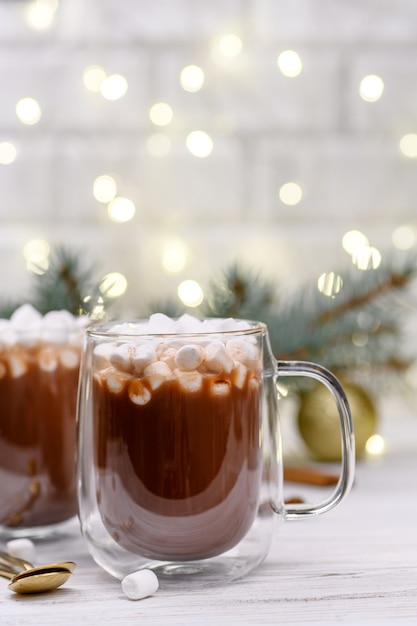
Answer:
[(7, 574), (12, 561)]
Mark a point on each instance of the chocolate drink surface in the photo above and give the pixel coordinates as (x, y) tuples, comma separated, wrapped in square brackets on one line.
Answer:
[(38, 390), (178, 458)]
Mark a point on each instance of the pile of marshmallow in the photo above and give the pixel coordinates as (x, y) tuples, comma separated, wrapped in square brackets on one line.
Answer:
[(186, 350), (27, 327), (57, 336)]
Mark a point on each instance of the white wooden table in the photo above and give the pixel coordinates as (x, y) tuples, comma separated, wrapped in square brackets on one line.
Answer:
[(354, 565)]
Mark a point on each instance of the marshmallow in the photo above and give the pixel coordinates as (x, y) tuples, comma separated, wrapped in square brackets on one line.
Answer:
[(101, 355), (48, 360), (22, 549), (189, 357), (142, 356), (216, 358), (220, 387), (115, 381), (56, 326), (69, 358), (157, 373), (25, 316), (189, 381), (239, 375), (140, 584), (138, 392), (121, 357), (17, 366), (242, 351), (167, 355)]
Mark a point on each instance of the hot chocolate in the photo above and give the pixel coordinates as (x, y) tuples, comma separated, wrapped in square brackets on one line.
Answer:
[(177, 430), (38, 390)]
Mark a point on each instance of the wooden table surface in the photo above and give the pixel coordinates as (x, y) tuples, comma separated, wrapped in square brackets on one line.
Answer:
[(354, 565)]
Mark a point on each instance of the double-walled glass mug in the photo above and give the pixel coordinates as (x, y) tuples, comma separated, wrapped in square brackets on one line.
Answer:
[(179, 452), (39, 368)]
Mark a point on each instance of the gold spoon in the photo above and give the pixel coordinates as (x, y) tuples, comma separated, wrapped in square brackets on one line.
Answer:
[(35, 579)]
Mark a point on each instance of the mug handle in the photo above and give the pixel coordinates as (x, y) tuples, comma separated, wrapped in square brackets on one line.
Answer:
[(320, 373)]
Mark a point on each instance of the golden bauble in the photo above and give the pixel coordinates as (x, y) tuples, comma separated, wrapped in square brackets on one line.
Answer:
[(318, 421)]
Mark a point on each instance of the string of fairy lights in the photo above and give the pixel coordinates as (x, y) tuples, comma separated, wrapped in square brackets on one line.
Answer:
[(39, 15)]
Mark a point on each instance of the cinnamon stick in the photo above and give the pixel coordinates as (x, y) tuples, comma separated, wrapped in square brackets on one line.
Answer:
[(309, 476)]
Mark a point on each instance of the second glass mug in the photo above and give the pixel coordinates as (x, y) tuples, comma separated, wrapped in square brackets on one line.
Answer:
[(180, 465)]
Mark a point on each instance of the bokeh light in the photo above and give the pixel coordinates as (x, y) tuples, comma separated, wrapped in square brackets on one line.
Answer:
[(190, 293), (161, 114), (330, 284), (28, 111), (354, 239), (366, 258), (8, 153), (199, 144), (289, 63), (404, 237), (93, 77), (227, 47), (113, 285), (408, 145), (290, 193), (375, 445), (192, 78), (39, 14), (114, 87), (371, 88), (174, 255), (104, 188), (36, 254), (121, 210)]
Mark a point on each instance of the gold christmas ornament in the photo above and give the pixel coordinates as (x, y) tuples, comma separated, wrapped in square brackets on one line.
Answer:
[(318, 422)]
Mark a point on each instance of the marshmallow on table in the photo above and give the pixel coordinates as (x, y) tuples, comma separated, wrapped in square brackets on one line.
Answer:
[(22, 549), (140, 584)]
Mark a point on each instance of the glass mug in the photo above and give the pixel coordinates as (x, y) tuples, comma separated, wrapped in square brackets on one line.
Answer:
[(39, 369), (179, 453)]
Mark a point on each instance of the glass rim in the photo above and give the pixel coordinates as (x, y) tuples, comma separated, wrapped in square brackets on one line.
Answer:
[(107, 329)]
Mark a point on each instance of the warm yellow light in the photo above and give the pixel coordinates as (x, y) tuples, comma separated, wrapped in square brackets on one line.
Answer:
[(190, 293), (121, 210), (28, 111), (366, 258), (230, 46), (192, 78), (404, 237), (408, 145), (371, 88), (158, 145), (36, 253), (174, 256), (36, 249), (290, 193), (161, 114), (39, 14), (8, 153), (113, 285), (375, 445), (114, 87), (354, 239), (330, 284), (199, 144), (289, 63), (104, 188), (93, 77)]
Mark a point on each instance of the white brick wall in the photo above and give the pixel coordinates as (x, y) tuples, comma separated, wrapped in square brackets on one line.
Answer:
[(267, 130)]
